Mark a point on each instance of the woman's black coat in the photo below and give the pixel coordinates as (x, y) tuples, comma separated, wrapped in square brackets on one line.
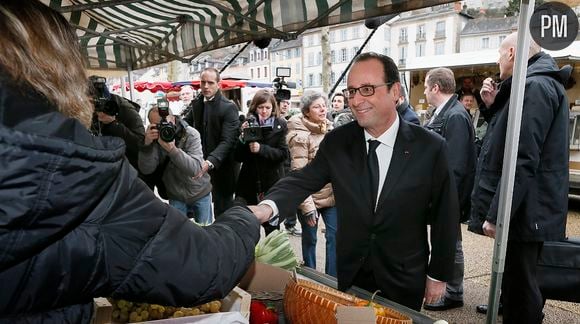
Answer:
[(262, 170)]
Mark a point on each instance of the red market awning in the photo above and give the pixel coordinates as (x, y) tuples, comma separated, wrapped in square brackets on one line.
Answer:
[(156, 86)]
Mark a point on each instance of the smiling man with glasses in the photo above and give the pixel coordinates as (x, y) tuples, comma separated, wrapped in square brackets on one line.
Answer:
[(398, 181)]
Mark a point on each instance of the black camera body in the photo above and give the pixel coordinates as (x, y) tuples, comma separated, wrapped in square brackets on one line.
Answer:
[(280, 93), (167, 130), (100, 100), (253, 133)]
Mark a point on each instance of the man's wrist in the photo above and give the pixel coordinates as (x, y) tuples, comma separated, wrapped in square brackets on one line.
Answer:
[(210, 165)]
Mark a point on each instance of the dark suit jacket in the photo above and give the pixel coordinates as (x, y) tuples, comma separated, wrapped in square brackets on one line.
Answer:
[(219, 130), (454, 124), (418, 190)]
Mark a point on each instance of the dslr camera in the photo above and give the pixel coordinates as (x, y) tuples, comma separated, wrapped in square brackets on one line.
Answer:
[(279, 83), (253, 133), (167, 130), (99, 93)]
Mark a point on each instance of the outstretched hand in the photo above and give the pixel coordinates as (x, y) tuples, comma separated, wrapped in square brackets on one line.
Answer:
[(262, 212)]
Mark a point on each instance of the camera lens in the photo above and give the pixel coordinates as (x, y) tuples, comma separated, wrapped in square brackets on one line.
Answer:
[(166, 132)]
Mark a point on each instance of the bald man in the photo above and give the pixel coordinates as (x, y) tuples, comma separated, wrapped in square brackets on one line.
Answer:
[(540, 193)]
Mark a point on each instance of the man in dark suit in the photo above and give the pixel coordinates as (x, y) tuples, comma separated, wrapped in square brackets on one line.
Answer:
[(453, 122), (216, 119), (398, 183)]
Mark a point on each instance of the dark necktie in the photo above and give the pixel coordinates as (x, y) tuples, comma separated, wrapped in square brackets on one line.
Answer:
[(373, 166)]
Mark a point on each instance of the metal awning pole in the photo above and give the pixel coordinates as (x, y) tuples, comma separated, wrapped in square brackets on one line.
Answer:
[(510, 156), (130, 76), (233, 58)]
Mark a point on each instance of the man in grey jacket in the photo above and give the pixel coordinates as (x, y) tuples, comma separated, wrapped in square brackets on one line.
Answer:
[(181, 159)]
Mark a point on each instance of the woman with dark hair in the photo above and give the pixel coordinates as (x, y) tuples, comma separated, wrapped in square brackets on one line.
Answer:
[(305, 132), (262, 156), (75, 220)]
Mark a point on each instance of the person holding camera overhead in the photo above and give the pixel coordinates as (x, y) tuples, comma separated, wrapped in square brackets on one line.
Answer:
[(262, 149), (116, 116), (305, 132), (173, 149)]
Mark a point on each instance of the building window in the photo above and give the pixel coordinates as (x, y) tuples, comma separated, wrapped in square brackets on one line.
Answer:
[(402, 55), (403, 37), (343, 81), (343, 34), (354, 51), (310, 80), (316, 40), (319, 58), (288, 54), (387, 34), (421, 35), (440, 29), (251, 73), (332, 36), (485, 42), (332, 77), (258, 71), (420, 49), (265, 54), (332, 56), (265, 72), (355, 32), (439, 48), (297, 52), (259, 56), (252, 57), (319, 79), (387, 51), (343, 55)]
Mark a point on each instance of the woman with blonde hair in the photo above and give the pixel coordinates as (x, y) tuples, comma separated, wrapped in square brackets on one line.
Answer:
[(75, 221), (305, 132)]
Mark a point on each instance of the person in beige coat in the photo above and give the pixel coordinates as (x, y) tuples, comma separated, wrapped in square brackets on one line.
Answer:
[(305, 132)]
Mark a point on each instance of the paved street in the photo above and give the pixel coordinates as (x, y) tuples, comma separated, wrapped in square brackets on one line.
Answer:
[(478, 252)]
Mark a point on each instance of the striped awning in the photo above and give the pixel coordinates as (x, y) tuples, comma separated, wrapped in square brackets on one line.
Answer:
[(134, 34)]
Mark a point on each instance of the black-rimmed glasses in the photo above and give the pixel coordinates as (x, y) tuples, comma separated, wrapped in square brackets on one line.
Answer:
[(365, 91)]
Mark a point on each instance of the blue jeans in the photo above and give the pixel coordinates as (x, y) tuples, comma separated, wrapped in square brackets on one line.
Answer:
[(329, 215), (201, 209)]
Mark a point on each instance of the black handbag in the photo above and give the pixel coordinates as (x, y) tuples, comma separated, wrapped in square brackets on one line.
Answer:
[(559, 270)]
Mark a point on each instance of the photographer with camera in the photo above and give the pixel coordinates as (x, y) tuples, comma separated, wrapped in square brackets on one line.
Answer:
[(262, 149), (116, 116), (172, 149)]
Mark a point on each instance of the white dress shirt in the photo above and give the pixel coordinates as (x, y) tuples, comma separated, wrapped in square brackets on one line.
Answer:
[(384, 152)]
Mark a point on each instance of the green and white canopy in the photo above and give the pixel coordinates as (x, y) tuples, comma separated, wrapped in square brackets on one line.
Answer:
[(134, 34)]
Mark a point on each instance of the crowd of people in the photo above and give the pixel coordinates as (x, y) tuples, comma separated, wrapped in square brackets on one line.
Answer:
[(391, 192)]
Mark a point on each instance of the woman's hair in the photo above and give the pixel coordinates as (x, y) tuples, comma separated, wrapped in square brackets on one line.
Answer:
[(261, 97), (308, 98), (39, 49)]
